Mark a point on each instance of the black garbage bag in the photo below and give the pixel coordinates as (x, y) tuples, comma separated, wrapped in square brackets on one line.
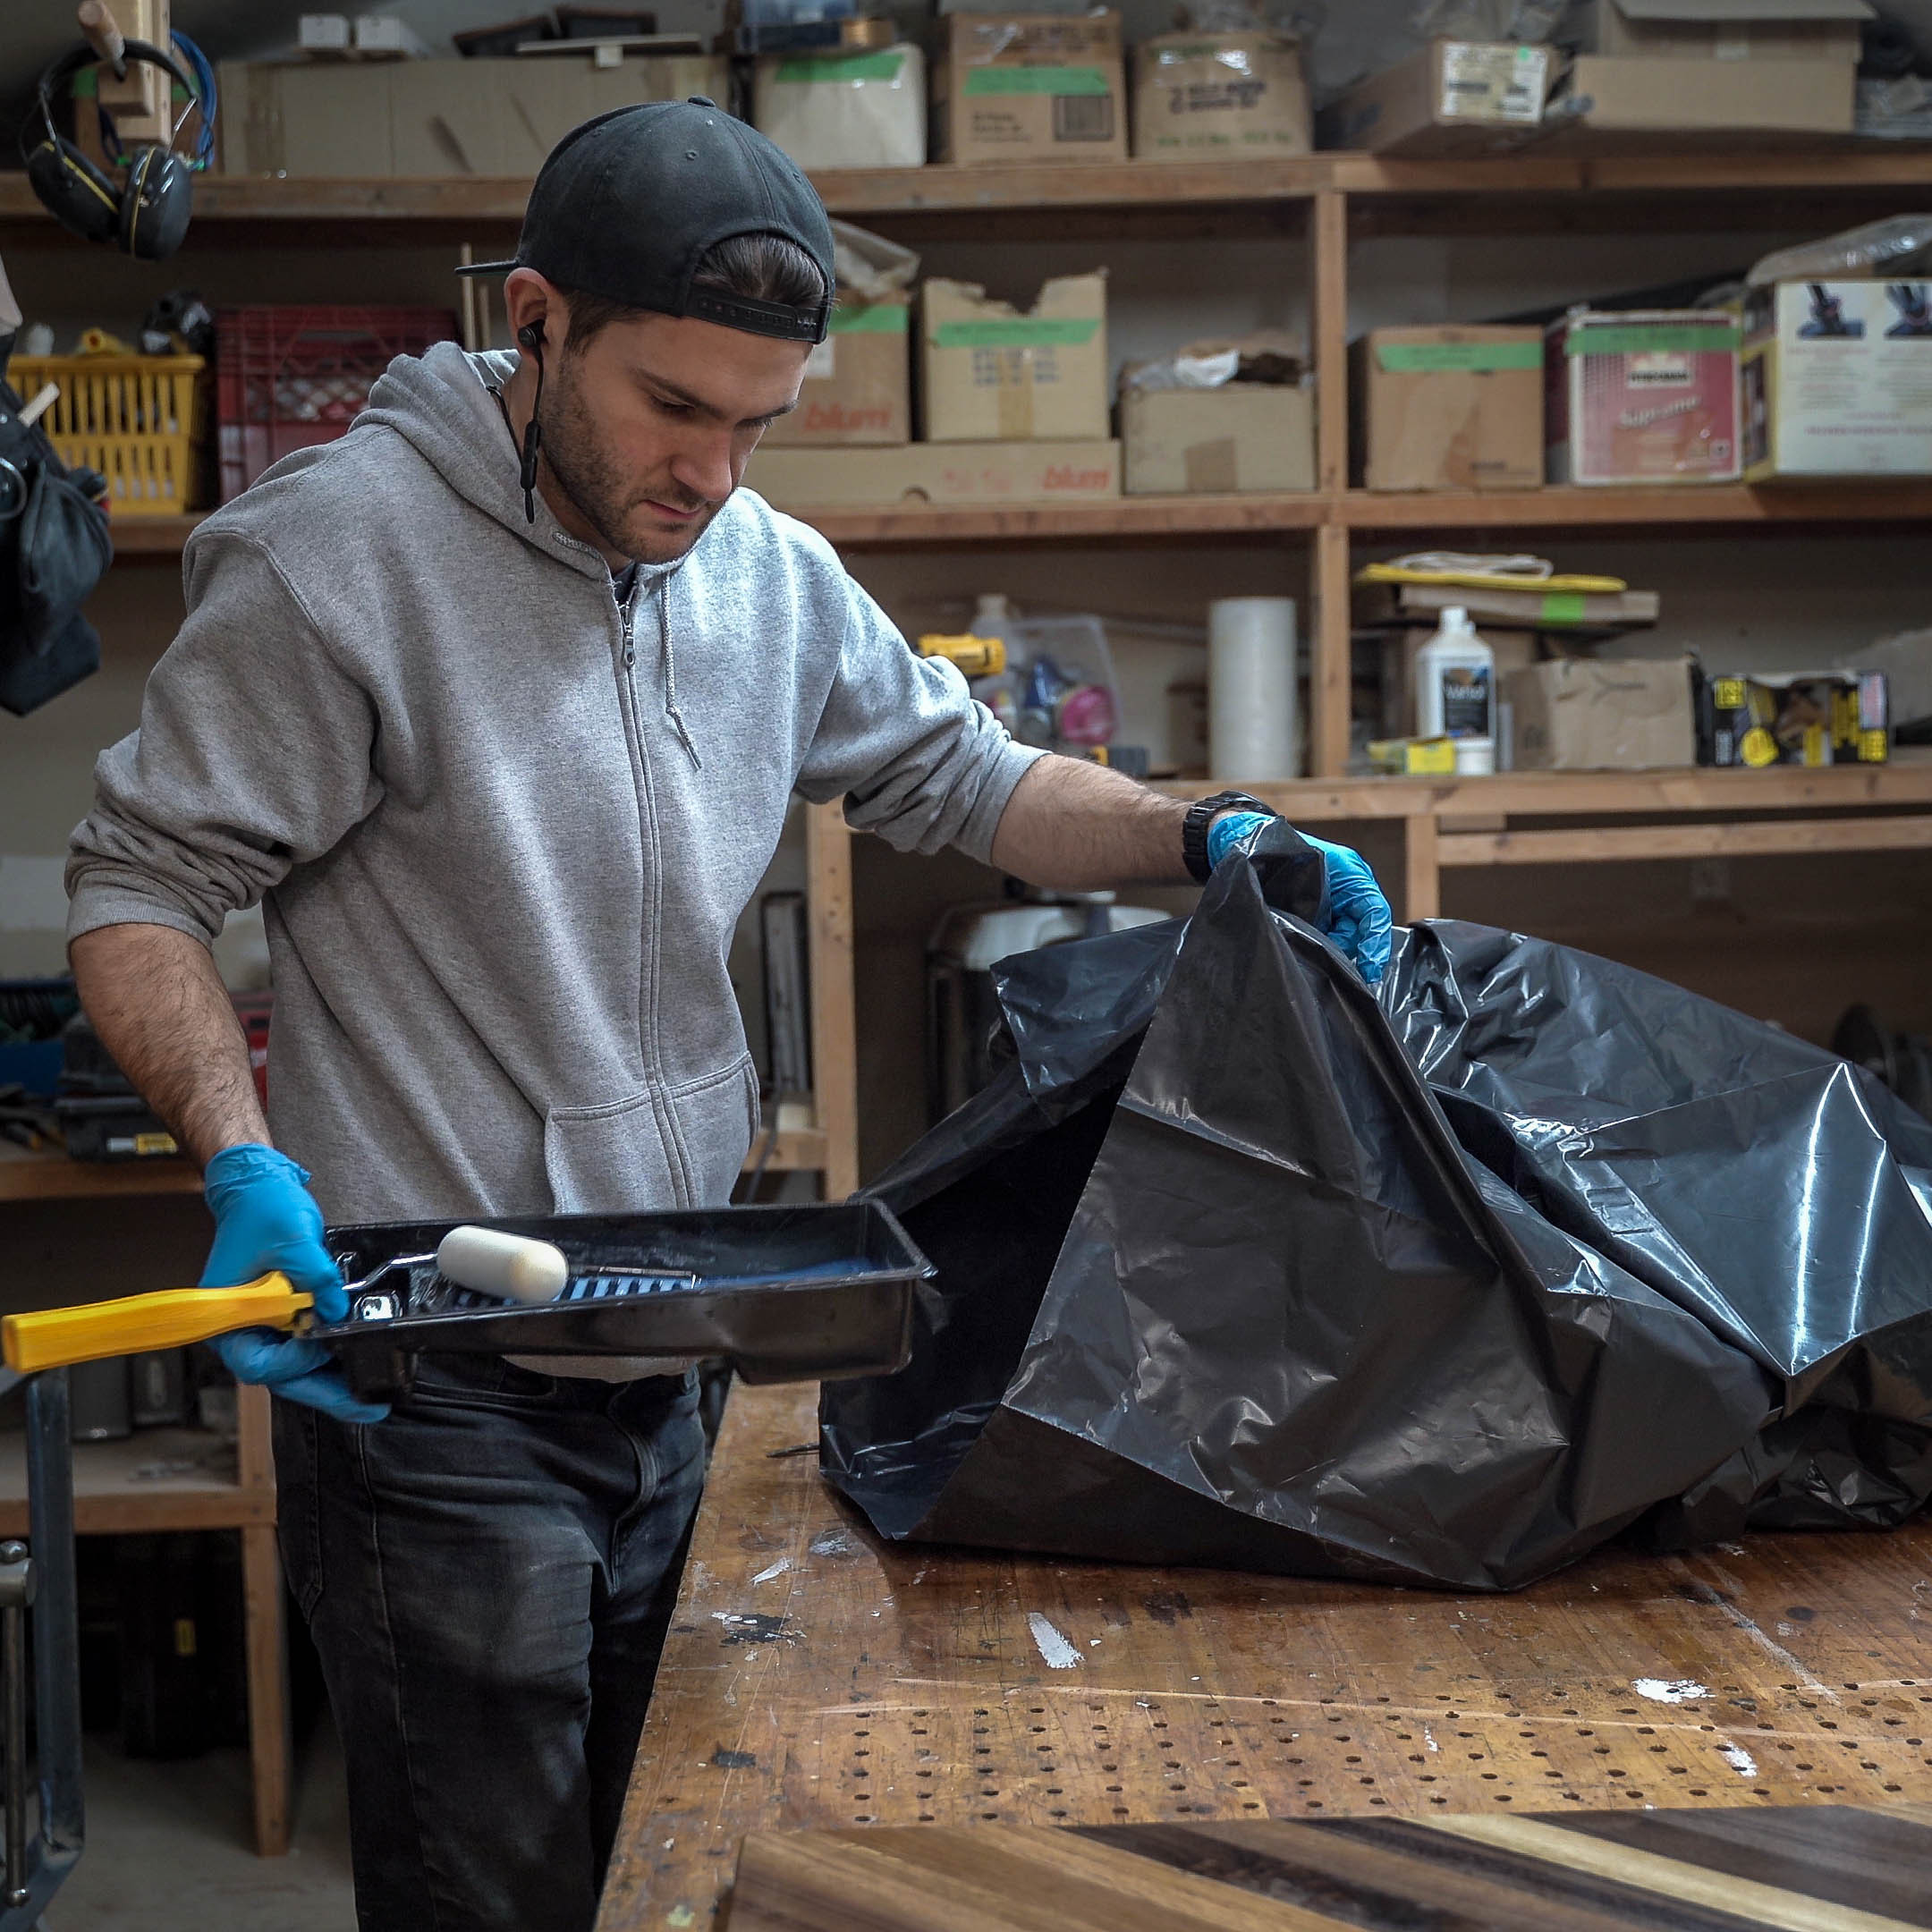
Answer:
[(1241, 1264)]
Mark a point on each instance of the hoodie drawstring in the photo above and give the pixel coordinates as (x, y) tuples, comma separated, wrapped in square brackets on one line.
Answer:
[(668, 657)]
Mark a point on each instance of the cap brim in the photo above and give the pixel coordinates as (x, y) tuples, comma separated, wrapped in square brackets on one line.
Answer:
[(488, 268)]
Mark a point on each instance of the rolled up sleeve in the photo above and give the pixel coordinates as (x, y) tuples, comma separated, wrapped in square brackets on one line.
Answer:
[(917, 759), (253, 755)]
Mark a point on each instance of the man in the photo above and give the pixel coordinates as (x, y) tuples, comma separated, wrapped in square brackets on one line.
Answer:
[(498, 702)]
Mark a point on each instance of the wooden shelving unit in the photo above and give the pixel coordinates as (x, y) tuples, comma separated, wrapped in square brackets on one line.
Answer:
[(1327, 201)]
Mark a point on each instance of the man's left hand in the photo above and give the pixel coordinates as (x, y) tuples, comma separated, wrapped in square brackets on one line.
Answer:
[(1358, 919)]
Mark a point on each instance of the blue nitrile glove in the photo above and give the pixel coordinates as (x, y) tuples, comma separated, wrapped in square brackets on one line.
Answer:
[(1358, 919), (266, 1217)]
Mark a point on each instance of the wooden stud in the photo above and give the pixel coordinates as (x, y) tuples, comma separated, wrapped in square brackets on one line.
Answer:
[(271, 1748), (142, 102), (1602, 842), (1863, 502), (1328, 334), (1329, 682), (1422, 871), (254, 1438), (1683, 789), (466, 298), (834, 1045)]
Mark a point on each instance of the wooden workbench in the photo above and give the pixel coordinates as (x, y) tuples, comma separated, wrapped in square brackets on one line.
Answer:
[(814, 1677)]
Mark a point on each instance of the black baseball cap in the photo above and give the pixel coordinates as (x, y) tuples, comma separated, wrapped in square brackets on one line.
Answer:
[(629, 204)]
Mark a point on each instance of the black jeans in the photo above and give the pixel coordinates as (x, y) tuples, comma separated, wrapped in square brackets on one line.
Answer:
[(486, 1575)]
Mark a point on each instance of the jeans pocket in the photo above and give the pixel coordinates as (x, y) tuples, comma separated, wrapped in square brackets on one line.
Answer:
[(298, 1512)]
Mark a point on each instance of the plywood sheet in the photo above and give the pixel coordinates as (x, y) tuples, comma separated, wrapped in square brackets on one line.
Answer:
[(1824, 1870)]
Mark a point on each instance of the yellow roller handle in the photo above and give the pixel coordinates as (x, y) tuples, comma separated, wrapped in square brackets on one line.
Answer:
[(57, 1338)]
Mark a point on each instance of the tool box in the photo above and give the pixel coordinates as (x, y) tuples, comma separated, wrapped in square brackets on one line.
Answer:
[(809, 1293)]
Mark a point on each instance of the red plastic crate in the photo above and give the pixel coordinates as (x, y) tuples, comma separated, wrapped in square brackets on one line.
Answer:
[(289, 377)]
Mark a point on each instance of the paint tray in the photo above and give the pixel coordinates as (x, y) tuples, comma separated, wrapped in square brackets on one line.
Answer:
[(805, 1294)]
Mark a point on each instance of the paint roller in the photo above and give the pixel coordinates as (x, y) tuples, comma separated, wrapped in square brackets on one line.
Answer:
[(513, 1267)]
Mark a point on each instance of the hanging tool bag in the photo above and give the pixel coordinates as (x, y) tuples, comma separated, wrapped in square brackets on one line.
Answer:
[(53, 549), (1242, 1263)]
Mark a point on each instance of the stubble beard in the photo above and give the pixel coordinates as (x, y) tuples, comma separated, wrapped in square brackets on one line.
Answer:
[(596, 485)]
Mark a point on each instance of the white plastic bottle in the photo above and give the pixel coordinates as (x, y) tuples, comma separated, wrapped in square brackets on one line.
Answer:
[(1455, 693), (993, 617)]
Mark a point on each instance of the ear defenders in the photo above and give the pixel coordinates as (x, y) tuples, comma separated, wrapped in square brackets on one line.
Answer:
[(145, 215)]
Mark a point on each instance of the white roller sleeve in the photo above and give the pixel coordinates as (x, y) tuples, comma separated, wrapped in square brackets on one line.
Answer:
[(511, 1266)]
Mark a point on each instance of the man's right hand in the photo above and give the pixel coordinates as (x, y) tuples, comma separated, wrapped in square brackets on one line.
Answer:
[(265, 1218)]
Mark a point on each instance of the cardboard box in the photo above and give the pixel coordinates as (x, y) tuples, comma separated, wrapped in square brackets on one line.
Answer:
[(1722, 30), (433, 117), (1450, 408), (1646, 396), (858, 383), (844, 110), (1030, 86), (1627, 103), (957, 473), (1541, 610), (1210, 96), (1813, 718), (1454, 97), (990, 373), (1591, 714), (1837, 380), (1239, 438)]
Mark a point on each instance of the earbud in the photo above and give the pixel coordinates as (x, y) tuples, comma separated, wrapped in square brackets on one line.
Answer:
[(529, 337)]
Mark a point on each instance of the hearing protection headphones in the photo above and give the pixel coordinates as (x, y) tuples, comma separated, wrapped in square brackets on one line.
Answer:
[(147, 214)]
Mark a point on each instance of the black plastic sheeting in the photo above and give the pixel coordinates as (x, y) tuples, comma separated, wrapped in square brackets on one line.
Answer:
[(1241, 1263)]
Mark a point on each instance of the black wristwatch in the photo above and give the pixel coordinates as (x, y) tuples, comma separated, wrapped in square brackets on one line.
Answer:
[(1202, 814)]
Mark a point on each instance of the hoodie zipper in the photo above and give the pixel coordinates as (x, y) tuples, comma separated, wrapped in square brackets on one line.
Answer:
[(648, 1043)]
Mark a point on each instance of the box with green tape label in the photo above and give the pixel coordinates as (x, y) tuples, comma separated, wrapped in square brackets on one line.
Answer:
[(996, 373), (1030, 86), (858, 387), (860, 109), (1450, 407)]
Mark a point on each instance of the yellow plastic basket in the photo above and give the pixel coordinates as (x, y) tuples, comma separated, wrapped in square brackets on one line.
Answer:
[(138, 419)]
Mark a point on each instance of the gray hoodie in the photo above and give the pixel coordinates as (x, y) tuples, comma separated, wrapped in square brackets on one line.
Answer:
[(503, 829)]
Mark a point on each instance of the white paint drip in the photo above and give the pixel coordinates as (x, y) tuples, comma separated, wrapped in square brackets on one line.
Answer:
[(1670, 1689), (1706, 1594), (1058, 1653), (774, 1570), (1740, 1759)]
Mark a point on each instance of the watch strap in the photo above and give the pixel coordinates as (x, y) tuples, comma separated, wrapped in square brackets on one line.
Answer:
[(1202, 814)]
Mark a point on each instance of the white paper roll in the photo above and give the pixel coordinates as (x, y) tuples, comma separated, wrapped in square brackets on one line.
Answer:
[(1251, 688)]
